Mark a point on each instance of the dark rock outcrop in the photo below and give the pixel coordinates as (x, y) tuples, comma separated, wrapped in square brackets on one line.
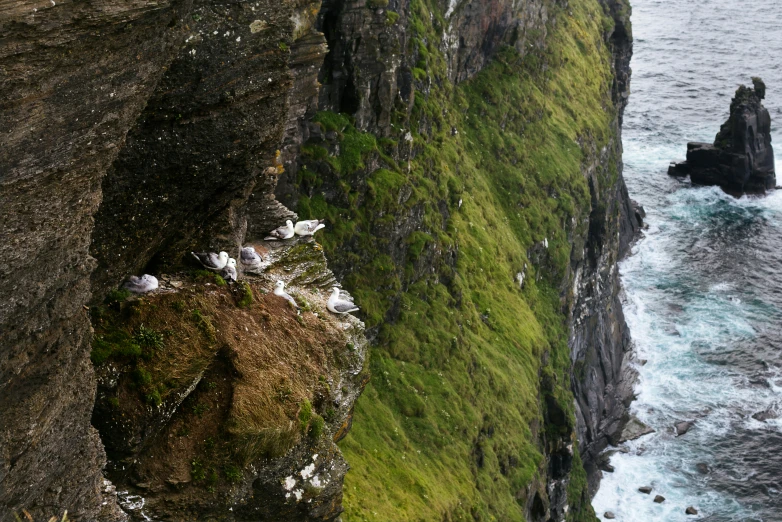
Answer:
[(633, 429), (741, 158), (683, 427)]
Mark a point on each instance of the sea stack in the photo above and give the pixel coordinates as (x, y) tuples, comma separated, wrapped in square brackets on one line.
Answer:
[(741, 159)]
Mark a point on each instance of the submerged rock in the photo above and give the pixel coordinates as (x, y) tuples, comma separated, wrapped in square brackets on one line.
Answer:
[(634, 429), (683, 427), (765, 415), (741, 158)]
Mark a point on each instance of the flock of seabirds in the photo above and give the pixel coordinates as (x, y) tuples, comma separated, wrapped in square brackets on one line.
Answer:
[(251, 262)]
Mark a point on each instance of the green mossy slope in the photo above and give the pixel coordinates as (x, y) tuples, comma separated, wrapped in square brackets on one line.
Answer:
[(465, 360)]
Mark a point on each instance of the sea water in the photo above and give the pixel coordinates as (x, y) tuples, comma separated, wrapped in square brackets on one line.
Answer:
[(704, 284)]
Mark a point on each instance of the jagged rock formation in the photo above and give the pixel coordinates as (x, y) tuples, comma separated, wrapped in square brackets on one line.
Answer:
[(741, 158), (135, 134)]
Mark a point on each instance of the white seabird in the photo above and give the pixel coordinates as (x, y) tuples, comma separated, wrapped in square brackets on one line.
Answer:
[(229, 272), (339, 306), (211, 260), (279, 289), (308, 227), (250, 259), (141, 285), (284, 232)]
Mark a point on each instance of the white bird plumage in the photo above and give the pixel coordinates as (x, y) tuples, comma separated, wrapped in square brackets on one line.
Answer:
[(279, 289), (249, 257), (229, 272), (308, 227), (338, 305), (141, 285), (283, 232), (211, 260)]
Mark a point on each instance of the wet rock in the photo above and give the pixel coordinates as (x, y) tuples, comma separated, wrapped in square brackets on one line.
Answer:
[(609, 515), (691, 511), (741, 158), (683, 427), (763, 416), (659, 499), (702, 468), (646, 490), (635, 429), (608, 468)]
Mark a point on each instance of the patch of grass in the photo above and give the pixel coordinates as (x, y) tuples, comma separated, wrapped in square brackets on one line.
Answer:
[(305, 415), (204, 324), (142, 377), (200, 408), (209, 276), (154, 398), (233, 473), (197, 469), (117, 296), (245, 295), (149, 338), (391, 17), (316, 426)]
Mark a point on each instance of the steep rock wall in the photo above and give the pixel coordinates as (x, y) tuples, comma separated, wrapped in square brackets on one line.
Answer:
[(76, 76)]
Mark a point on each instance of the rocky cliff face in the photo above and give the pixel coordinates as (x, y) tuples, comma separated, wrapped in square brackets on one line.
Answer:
[(139, 133), (76, 78), (396, 69), (600, 345), (133, 134)]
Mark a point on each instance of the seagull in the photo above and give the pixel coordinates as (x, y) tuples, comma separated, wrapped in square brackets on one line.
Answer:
[(250, 259), (279, 289), (285, 232), (141, 285), (339, 306), (308, 227), (229, 272), (211, 260)]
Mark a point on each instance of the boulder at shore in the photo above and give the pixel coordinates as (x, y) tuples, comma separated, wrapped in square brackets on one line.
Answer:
[(741, 159)]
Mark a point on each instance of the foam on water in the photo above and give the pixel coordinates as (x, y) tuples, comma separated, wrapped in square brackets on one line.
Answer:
[(703, 292)]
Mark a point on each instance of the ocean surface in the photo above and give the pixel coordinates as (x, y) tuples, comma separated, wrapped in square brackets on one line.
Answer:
[(704, 285)]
